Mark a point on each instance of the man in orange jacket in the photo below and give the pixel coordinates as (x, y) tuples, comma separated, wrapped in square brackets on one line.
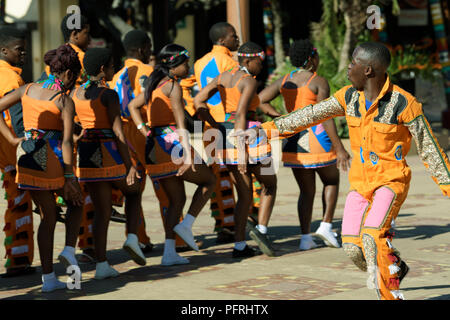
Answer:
[(18, 227), (382, 118)]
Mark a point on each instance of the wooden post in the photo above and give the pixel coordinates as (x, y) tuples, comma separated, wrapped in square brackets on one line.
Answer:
[(238, 16), (160, 24)]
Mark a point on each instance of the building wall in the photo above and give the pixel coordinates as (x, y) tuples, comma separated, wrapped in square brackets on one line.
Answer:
[(47, 16)]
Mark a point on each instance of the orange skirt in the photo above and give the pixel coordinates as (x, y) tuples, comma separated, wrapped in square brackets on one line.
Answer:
[(308, 149), (98, 157), (163, 152)]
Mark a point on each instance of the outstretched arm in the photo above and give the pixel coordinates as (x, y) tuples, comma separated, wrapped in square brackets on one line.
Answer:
[(428, 148), (301, 119)]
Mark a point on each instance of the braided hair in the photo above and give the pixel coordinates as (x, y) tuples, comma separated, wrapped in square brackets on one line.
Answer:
[(169, 57), (63, 58), (300, 52)]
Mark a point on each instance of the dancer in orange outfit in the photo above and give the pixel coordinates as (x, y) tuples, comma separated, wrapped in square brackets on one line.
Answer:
[(237, 88), (19, 243), (218, 60), (317, 149), (168, 150), (104, 159), (382, 118), (44, 155), (128, 82)]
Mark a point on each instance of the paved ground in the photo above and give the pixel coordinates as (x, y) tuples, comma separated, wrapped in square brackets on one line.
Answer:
[(422, 235)]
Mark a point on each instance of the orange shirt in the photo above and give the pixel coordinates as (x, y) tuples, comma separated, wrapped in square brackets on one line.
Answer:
[(91, 113), (82, 78), (210, 66), (380, 137), (138, 72), (40, 114), (10, 80), (160, 113), (231, 96)]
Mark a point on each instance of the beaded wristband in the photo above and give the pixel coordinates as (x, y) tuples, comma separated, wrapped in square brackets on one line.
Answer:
[(69, 175), (140, 126)]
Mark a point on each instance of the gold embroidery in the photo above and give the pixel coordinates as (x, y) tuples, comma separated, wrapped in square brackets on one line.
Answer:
[(428, 150)]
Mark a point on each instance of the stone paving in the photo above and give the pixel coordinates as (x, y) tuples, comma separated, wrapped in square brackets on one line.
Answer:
[(422, 235)]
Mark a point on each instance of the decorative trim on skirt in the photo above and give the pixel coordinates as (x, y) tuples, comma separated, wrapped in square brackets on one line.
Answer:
[(98, 158), (163, 152), (39, 161), (308, 149)]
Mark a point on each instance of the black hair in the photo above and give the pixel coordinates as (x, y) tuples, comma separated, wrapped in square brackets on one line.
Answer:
[(300, 51), (169, 57), (9, 34), (63, 58), (376, 52), (135, 39), (249, 47), (65, 28), (219, 30), (95, 58)]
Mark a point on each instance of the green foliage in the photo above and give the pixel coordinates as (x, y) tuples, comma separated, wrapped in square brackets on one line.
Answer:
[(409, 61)]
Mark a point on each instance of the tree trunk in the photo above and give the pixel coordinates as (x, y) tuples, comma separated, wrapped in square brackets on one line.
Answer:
[(347, 44), (277, 34)]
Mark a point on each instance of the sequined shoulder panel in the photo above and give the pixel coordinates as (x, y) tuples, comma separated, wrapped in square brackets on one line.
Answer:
[(352, 102), (390, 106)]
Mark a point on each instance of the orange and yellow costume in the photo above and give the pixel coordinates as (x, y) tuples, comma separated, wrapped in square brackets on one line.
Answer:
[(18, 227), (380, 138)]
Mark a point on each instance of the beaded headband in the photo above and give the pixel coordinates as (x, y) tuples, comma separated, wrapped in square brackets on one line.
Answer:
[(313, 52), (185, 52), (251, 55)]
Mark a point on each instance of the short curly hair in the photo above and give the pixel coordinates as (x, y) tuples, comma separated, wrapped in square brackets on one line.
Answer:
[(300, 51)]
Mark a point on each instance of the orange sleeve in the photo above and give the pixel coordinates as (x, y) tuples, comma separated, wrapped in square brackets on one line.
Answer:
[(428, 148)]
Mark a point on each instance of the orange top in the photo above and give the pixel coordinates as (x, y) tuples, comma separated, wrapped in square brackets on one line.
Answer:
[(296, 98), (91, 113), (230, 96), (81, 79), (160, 113), (40, 114)]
